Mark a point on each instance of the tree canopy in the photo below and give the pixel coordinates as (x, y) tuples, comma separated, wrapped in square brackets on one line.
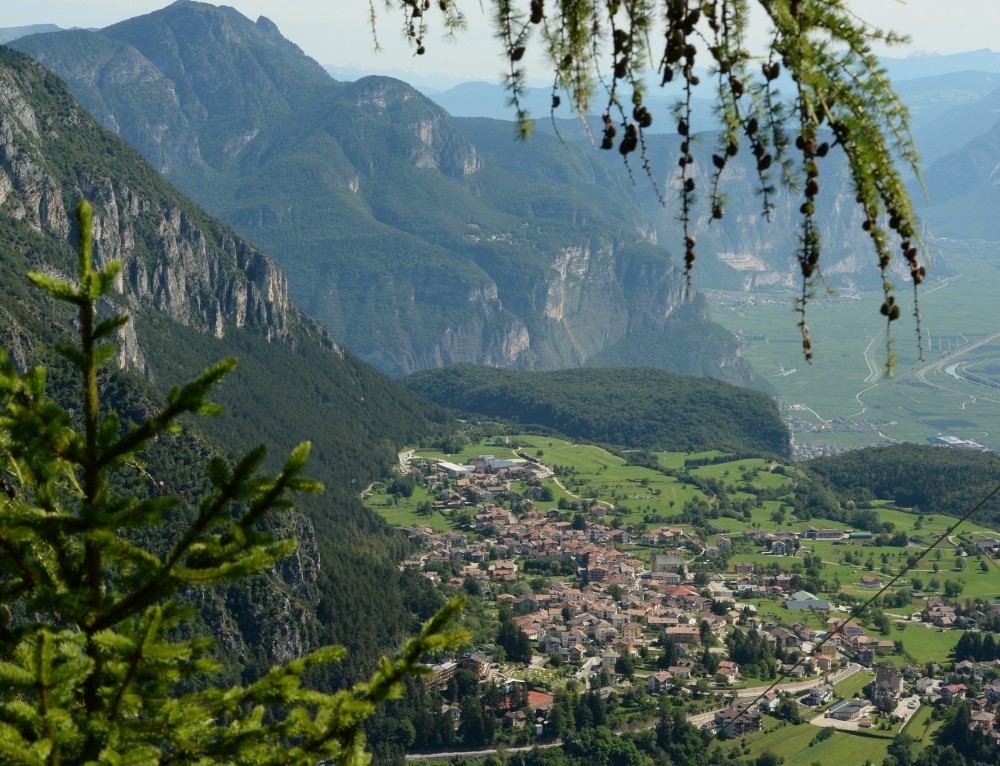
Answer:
[(600, 53)]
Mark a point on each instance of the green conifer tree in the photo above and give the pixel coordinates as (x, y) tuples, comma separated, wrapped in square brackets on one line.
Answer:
[(90, 658)]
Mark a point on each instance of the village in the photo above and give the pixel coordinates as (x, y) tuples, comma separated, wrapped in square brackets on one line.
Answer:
[(614, 607)]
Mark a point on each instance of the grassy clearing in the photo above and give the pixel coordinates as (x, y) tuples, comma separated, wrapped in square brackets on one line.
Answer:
[(852, 685), (926, 644), (798, 745)]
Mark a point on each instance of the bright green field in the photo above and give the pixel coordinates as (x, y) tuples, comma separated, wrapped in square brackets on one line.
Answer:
[(798, 745), (852, 685), (403, 512), (845, 379)]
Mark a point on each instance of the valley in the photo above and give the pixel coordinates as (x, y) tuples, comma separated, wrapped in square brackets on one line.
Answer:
[(702, 589), (843, 399)]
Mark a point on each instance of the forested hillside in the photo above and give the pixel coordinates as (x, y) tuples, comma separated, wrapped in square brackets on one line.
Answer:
[(632, 407), (196, 294), (933, 479)]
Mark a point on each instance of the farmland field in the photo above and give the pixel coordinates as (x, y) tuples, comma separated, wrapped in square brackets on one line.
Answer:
[(953, 391)]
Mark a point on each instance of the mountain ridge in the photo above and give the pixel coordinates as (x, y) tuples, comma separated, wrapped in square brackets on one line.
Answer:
[(336, 187)]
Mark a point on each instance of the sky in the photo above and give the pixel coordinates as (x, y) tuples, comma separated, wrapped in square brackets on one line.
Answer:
[(338, 33)]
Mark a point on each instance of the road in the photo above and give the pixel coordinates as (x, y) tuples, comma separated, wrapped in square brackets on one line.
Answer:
[(797, 686), (404, 460)]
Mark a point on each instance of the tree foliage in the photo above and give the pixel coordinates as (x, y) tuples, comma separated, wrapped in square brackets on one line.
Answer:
[(600, 52), (91, 633), (637, 407), (948, 481)]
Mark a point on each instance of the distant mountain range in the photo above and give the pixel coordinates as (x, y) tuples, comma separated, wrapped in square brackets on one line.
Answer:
[(415, 238), (420, 238)]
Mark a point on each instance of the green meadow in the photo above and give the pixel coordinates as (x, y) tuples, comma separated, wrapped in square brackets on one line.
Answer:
[(798, 744)]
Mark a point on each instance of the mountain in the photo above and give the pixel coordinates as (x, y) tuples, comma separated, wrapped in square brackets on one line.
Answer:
[(416, 239), (490, 99), (963, 189), (196, 292), (12, 33), (632, 407), (948, 110), (919, 65)]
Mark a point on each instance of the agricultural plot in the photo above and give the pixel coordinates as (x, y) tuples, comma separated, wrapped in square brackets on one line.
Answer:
[(954, 390)]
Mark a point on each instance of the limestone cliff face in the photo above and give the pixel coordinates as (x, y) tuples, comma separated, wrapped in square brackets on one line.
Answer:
[(591, 296), (201, 277), (178, 264)]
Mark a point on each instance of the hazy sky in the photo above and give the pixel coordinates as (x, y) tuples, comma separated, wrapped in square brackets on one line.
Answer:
[(337, 32)]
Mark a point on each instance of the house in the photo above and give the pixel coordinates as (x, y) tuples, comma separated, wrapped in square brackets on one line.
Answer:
[(728, 672), (658, 683), (779, 548), (824, 662), (516, 719), (982, 722), (819, 695), (924, 684), (608, 659), (888, 683), (478, 663), (684, 634), (953, 692), (632, 631), (844, 627), (784, 637), (870, 581), (743, 569), (739, 720)]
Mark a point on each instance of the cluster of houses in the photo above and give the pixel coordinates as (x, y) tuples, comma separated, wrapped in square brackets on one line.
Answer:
[(656, 599), (626, 604)]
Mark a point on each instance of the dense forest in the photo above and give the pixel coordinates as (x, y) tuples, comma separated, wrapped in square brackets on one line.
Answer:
[(922, 477), (634, 407)]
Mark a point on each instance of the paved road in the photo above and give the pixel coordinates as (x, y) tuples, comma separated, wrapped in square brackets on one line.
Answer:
[(475, 753), (797, 686)]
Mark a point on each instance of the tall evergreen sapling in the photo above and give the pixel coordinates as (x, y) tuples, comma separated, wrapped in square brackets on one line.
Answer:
[(89, 663)]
